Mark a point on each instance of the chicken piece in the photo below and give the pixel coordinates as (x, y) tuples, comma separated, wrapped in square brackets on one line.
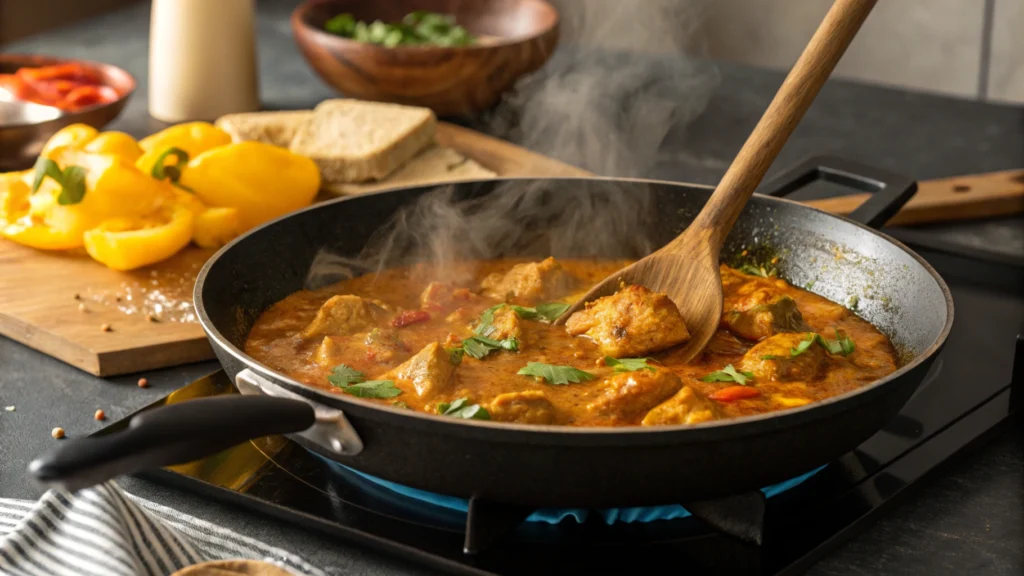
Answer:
[(764, 320), (505, 325), (772, 359), (383, 345), (688, 406), (328, 353), (628, 395), (528, 407), (430, 371), (436, 296), (531, 282), (631, 322), (345, 315), (726, 344)]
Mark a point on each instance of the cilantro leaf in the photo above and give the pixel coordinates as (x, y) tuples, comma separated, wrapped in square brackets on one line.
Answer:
[(459, 409), (480, 346), (372, 389), (804, 345), (729, 374), (628, 364), (548, 312), (557, 375), (841, 345), (455, 355), (343, 375), (486, 325)]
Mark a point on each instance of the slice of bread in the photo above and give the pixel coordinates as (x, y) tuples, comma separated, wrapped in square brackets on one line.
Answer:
[(277, 128), (435, 165), (357, 141)]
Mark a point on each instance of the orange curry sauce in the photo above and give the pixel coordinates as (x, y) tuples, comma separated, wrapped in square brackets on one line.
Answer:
[(670, 392)]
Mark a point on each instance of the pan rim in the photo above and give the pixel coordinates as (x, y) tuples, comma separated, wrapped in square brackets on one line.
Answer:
[(498, 431)]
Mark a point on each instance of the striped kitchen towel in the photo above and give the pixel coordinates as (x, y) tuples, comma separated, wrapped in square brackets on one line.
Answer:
[(103, 531)]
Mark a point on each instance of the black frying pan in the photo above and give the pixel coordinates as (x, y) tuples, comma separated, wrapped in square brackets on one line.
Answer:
[(548, 465)]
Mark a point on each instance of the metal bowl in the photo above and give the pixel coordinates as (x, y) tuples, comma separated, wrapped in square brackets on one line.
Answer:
[(25, 127)]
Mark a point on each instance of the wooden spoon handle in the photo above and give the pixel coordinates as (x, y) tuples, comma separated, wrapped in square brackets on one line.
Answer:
[(780, 119)]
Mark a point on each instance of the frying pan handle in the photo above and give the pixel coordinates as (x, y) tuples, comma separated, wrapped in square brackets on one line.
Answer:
[(332, 431), (889, 192), (170, 435)]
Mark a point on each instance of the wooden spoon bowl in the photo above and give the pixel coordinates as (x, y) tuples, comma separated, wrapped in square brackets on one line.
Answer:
[(686, 269), (515, 37)]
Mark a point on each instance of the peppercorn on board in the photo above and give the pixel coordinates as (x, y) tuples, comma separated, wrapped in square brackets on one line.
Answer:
[(105, 330)]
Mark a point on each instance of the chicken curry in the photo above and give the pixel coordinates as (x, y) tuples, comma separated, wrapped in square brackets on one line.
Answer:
[(476, 341)]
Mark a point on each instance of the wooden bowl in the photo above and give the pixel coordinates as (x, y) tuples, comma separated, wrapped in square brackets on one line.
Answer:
[(21, 143), (518, 37)]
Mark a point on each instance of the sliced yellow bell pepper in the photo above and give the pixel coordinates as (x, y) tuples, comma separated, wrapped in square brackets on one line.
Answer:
[(74, 135), (261, 180), (216, 227), (192, 137), (116, 143), (16, 222), (129, 243), (189, 200), (114, 188)]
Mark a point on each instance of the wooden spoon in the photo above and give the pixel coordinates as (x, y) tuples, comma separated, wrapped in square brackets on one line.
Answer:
[(686, 269)]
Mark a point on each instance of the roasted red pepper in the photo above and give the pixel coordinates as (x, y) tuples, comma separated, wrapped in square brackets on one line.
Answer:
[(410, 317), (733, 393)]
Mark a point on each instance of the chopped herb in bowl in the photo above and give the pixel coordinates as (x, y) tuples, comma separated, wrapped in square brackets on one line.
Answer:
[(419, 28)]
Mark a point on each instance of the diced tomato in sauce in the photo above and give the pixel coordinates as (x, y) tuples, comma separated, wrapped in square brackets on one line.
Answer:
[(733, 393), (410, 317)]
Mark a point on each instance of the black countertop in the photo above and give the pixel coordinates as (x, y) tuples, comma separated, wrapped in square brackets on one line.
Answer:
[(969, 520)]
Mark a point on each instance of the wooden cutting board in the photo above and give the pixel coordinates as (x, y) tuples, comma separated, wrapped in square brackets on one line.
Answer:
[(38, 304), (59, 303)]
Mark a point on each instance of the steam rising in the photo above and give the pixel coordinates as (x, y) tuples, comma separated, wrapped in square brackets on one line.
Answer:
[(590, 106)]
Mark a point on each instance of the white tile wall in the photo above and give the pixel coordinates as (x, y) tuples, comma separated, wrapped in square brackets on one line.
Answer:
[(925, 44), (1006, 75), (930, 45)]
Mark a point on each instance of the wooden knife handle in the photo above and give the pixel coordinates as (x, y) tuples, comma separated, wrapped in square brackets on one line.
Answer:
[(947, 199)]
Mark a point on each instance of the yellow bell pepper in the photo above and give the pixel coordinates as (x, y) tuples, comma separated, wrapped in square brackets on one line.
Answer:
[(261, 180), (116, 143), (129, 243), (113, 188), (74, 135), (216, 227), (192, 137), (17, 224)]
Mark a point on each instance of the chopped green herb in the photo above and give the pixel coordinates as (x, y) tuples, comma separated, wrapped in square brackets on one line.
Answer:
[(486, 325), (753, 270), (455, 355), (462, 409), (480, 346), (810, 284), (854, 300), (545, 312), (841, 345), (417, 28), (372, 389), (798, 350), (343, 375), (628, 364), (400, 404), (729, 374), (557, 375), (71, 180)]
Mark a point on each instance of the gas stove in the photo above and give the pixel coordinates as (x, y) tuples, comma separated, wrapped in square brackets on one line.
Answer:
[(971, 394)]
